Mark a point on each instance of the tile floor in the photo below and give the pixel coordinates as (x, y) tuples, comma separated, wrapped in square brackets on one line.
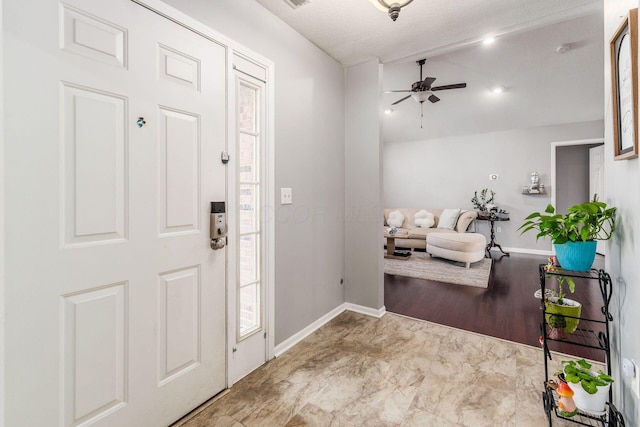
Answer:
[(394, 371)]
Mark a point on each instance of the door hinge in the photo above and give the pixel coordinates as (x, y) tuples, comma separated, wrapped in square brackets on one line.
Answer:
[(234, 349), (224, 157), (265, 335)]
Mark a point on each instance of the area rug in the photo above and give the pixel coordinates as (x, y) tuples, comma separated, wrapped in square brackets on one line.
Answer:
[(421, 266)]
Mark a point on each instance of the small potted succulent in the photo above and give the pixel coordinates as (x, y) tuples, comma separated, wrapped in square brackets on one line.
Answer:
[(574, 234), (591, 388)]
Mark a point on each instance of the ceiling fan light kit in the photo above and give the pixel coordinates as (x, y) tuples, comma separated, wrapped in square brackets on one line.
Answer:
[(392, 7), (422, 90)]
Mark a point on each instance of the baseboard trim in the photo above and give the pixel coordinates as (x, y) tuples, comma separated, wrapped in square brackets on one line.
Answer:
[(525, 251), (294, 339), (367, 311), (299, 336)]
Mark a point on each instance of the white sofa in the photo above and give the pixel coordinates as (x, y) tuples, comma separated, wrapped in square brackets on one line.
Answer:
[(410, 236)]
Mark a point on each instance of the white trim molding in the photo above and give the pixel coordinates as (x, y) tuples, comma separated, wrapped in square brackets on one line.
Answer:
[(524, 251), (297, 337), (294, 339), (367, 311)]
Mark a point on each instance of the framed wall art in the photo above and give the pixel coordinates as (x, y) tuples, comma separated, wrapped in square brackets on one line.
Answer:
[(624, 87)]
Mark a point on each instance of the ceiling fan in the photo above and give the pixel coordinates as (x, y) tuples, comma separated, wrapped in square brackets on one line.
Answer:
[(422, 89)]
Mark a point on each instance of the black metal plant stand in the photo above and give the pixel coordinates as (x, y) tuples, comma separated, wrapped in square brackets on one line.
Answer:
[(594, 335)]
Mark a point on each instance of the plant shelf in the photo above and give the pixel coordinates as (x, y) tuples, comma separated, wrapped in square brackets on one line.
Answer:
[(612, 418), (593, 333)]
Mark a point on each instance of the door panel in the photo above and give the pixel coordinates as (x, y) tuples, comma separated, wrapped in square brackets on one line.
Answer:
[(178, 317), (115, 301), (94, 166), (179, 148), (95, 338)]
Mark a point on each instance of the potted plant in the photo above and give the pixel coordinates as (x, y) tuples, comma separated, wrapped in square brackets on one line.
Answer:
[(574, 234), (590, 388), (483, 203), (562, 314)]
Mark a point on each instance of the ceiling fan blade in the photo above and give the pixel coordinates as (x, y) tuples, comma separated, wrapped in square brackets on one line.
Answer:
[(427, 82), (400, 100), (433, 99), (392, 91), (455, 86)]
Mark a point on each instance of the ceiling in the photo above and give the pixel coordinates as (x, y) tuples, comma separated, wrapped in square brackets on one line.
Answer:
[(542, 87), (354, 31)]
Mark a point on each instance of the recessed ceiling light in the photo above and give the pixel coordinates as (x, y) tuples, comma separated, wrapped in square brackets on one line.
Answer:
[(488, 40), (388, 111), (497, 89)]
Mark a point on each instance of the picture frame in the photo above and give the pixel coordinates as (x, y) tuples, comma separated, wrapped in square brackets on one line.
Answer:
[(624, 86)]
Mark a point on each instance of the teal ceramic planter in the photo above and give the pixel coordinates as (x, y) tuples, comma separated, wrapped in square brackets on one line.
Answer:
[(576, 256)]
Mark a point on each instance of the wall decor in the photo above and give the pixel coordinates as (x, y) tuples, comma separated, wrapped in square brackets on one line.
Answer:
[(624, 86)]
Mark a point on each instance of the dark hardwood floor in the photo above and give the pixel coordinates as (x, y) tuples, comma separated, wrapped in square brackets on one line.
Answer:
[(507, 309)]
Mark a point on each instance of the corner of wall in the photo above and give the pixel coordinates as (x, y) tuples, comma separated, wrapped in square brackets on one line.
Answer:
[(363, 186)]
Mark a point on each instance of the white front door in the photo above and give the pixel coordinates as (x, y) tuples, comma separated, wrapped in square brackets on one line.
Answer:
[(115, 120)]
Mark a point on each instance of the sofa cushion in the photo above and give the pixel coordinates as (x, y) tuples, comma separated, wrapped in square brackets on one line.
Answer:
[(395, 219), (449, 218), (424, 219)]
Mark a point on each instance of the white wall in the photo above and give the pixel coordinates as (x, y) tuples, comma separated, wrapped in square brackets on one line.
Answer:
[(309, 158), (621, 187), (363, 180), (445, 172)]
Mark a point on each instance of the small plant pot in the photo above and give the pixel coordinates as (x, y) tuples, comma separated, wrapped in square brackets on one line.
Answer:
[(556, 313), (595, 404), (576, 256)]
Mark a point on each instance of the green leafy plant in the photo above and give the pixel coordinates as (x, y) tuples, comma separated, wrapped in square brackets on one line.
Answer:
[(580, 372), (583, 222)]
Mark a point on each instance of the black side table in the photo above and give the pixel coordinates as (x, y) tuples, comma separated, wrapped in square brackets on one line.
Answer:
[(492, 243)]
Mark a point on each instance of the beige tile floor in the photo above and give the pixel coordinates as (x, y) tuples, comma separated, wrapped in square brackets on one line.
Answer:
[(394, 371)]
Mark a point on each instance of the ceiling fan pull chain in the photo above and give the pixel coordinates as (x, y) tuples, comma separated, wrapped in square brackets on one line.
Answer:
[(421, 113)]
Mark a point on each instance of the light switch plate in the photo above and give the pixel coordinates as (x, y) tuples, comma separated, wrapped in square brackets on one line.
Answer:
[(286, 197)]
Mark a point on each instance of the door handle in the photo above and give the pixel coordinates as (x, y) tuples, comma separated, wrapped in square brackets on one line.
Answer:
[(218, 225)]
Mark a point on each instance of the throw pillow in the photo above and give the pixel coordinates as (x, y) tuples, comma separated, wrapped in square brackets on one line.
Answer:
[(424, 219), (449, 218), (395, 219)]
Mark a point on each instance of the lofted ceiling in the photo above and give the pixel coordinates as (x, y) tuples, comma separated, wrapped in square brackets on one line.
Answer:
[(354, 31), (542, 87)]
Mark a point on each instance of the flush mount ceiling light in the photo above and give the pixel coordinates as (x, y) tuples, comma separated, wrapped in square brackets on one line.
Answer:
[(392, 7), (497, 89), (488, 40)]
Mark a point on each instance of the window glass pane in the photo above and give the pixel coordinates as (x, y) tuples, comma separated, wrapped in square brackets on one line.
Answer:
[(247, 108), (249, 308), (248, 259), (247, 158), (248, 212)]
